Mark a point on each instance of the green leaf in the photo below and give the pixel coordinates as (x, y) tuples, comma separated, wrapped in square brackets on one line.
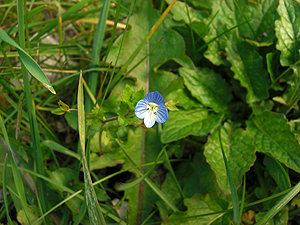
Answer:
[(247, 66), (216, 39), (130, 97), (281, 218), (180, 13), (184, 99), (97, 45), (292, 94), (194, 176), (198, 208), (62, 176), (177, 91), (33, 215), (255, 18), (288, 31), (16, 173), (28, 62), (239, 151), (62, 109), (57, 147), (123, 187), (181, 124), (272, 134), (171, 47), (207, 87), (278, 173), (171, 105)]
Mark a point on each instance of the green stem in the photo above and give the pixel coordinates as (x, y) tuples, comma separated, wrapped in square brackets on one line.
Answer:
[(42, 188)]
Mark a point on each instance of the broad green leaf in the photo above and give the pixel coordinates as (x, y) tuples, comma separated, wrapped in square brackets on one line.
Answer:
[(198, 206), (171, 47), (95, 214), (239, 150), (255, 19), (208, 87), (216, 39), (247, 66), (177, 92), (62, 176), (180, 13), (184, 99), (288, 31), (28, 62), (181, 124), (272, 135)]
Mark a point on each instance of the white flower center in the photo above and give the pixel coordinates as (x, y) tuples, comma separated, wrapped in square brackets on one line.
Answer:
[(152, 107)]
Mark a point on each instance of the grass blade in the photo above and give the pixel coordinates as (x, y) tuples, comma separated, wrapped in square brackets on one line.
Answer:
[(279, 205), (150, 183), (97, 45), (28, 61), (235, 201), (17, 176), (126, 186), (57, 147), (94, 210), (41, 189), (4, 190)]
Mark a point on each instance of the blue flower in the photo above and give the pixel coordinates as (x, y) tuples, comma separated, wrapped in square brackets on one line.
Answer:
[(152, 109)]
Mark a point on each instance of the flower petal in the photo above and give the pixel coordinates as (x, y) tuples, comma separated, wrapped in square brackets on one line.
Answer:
[(154, 97), (149, 119), (140, 109), (162, 114)]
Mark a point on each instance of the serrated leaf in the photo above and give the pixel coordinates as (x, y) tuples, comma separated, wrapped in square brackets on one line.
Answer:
[(239, 150), (207, 87), (216, 38), (127, 96), (255, 19), (199, 205), (288, 31), (181, 124), (180, 13), (247, 66), (272, 134)]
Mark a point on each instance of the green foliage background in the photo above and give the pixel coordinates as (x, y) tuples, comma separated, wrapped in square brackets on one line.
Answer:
[(230, 154)]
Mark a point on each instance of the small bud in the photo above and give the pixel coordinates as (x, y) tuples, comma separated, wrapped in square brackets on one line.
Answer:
[(171, 105), (62, 109)]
